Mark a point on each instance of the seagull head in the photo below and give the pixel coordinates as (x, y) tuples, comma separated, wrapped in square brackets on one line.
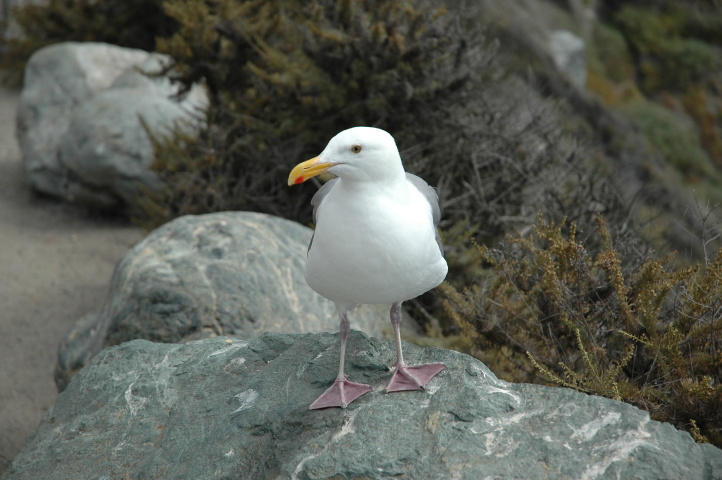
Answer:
[(363, 154)]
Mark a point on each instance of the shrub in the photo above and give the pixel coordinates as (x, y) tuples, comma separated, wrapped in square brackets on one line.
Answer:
[(667, 60), (676, 141), (608, 53), (641, 330), (706, 109)]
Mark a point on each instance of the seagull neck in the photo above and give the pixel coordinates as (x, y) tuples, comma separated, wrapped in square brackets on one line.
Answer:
[(392, 184)]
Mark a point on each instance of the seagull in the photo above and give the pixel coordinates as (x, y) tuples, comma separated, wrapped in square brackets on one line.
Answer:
[(375, 242)]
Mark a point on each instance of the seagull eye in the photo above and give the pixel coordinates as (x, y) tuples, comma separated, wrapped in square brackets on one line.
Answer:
[(356, 149)]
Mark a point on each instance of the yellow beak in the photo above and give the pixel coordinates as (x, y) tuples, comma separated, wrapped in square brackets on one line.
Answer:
[(308, 169)]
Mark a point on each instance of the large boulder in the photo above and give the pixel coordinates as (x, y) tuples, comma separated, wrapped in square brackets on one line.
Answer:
[(231, 273), (230, 408), (81, 116)]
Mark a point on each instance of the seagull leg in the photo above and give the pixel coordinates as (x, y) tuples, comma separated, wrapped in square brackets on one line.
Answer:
[(408, 377), (343, 391)]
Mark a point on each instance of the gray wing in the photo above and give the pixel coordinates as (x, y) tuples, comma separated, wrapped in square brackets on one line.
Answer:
[(318, 199), (321, 194), (431, 196)]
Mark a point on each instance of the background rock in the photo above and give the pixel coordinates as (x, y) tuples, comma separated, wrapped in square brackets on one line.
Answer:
[(567, 51), (232, 273), (230, 408), (78, 121)]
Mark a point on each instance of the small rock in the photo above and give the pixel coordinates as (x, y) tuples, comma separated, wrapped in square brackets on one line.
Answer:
[(567, 51), (231, 408)]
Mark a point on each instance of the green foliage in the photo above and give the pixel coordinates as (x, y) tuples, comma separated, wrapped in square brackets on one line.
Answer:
[(130, 23), (702, 24), (637, 330), (676, 141), (705, 108), (609, 49), (676, 63), (668, 60)]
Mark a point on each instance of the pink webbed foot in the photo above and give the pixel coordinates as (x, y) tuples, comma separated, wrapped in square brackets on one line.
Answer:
[(340, 394), (414, 377)]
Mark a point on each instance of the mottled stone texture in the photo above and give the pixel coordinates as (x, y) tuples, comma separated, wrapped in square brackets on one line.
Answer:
[(224, 408), (231, 273)]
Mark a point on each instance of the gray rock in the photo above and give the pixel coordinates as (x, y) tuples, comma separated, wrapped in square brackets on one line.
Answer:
[(229, 408), (79, 125), (232, 273), (567, 50)]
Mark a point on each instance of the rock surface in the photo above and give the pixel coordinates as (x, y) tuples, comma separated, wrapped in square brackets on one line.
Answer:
[(231, 273), (79, 126), (230, 408), (567, 52)]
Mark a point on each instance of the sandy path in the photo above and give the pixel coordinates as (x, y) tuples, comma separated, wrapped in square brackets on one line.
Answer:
[(55, 266)]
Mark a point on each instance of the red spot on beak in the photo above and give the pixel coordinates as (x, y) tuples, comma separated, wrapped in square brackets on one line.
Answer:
[(298, 180)]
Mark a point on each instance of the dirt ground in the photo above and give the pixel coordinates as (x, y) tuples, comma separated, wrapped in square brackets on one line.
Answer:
[(56, 261)]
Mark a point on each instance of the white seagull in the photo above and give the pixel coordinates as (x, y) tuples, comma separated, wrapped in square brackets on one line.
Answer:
[(375, 242)]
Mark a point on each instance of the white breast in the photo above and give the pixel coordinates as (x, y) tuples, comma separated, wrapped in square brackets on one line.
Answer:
[(374, 248)]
